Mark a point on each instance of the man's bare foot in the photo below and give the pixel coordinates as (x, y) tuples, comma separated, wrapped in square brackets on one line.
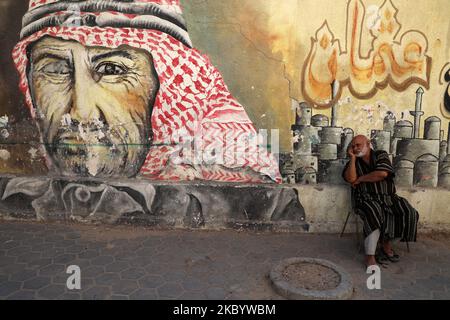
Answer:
[(389, 252), (387, 248)]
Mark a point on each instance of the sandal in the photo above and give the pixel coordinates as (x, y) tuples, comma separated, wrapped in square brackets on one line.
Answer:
[(392, 258), (382, 260)]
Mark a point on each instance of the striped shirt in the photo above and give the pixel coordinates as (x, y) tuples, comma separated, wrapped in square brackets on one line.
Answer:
[(379, 206), (379, 161)]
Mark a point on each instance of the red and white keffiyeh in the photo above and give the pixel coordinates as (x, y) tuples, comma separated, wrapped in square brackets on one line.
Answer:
[(193, 99)]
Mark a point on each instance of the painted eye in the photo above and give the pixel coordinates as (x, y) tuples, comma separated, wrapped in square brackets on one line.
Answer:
[(110, 69), (57, 68)]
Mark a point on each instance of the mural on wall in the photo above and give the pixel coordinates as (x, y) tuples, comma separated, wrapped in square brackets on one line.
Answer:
[(419, 150), (140, 202), (320, 148), (394, 60), (117, 90)]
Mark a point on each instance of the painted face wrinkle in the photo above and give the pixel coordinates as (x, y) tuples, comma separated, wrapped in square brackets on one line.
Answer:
[(90, 107)]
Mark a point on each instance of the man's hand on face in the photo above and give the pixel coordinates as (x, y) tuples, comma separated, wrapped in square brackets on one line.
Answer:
[(350, 152)]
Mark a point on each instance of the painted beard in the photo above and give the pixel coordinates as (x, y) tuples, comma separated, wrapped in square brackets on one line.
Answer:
[(98, 150)]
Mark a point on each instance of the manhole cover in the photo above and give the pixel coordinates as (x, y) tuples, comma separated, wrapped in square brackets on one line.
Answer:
[(306, 278), (311, 276)]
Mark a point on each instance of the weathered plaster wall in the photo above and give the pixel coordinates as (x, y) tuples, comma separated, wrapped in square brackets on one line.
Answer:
[(327, 208), (273, 55), (323, 209), (21, 129), (261, 48), (182, 205)]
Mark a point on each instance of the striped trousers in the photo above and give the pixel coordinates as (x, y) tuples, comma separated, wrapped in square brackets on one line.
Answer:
[(392, 215)]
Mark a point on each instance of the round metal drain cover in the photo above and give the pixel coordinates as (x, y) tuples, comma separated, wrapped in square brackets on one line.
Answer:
[(314, 279)]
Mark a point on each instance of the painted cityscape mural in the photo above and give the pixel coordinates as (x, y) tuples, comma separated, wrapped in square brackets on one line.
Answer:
[(320, 148), (399, 61)]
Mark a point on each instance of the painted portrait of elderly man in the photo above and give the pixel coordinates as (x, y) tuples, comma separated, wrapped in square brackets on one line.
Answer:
[(117, 90)]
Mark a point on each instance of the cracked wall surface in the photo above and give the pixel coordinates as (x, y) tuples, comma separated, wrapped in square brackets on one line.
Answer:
[(260, 47), (117, 89), (382, 67)]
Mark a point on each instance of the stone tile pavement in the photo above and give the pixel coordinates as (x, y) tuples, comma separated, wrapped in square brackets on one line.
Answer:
[(124, 262)]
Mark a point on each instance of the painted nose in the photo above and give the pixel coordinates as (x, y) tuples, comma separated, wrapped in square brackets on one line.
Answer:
[(85, 97)]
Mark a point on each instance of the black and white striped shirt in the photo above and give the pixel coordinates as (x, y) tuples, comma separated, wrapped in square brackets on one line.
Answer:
[(379, 161)]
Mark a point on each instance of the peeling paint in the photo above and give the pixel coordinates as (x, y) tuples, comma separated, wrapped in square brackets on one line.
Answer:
[(66, 120), (33, 153), (264, 59), (4, 133), (93, 164), (373, 17), (4, 121), (4, 155)]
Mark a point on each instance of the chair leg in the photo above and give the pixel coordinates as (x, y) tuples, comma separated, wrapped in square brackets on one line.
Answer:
[(407, 246), (359, 241), (345, 224), (361, 246)]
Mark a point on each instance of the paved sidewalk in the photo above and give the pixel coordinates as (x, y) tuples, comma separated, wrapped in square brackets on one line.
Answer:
[(138, 263)]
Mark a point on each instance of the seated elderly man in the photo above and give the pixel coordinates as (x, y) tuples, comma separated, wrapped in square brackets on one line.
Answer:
[(386, 216)]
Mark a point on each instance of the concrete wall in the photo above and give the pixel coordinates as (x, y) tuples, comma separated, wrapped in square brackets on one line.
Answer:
[(327, 207), (315, 209), (267, 44), (262, 50), (257, 92)]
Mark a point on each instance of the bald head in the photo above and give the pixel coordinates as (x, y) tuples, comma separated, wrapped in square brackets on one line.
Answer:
[(361, 139), (360, 146)]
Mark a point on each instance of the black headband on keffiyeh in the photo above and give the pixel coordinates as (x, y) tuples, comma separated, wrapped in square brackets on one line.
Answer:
[(106, 13)]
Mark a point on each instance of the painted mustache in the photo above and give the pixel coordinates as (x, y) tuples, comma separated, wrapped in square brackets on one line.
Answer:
[(76, 138)]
